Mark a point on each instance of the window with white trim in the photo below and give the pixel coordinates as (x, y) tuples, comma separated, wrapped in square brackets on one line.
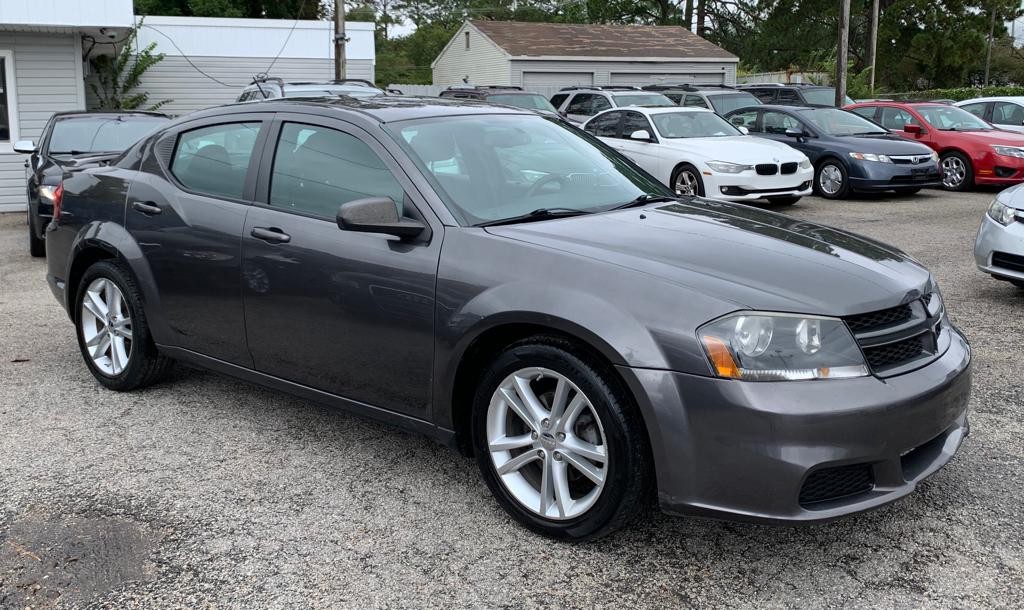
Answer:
[(6, 97)]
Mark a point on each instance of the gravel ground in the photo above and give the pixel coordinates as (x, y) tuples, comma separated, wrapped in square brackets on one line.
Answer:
[(207, 492)]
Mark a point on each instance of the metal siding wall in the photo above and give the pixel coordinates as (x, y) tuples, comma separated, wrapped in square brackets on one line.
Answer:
[(175, 79), (484, 63), (44, 66), (603, 69)]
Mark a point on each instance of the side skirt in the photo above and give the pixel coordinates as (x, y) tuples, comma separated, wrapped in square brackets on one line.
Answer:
[(410, 424)]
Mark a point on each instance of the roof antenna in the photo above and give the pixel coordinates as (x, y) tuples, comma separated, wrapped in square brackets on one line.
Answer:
[(257, 79)]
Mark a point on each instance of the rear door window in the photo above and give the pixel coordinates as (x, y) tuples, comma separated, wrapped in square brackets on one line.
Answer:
[(977, 109), (635, 121), (558, 98), (896, 118), (777, 123), (788, 96), (695, 100), (214, 160), (606, 125), (1006, 113)]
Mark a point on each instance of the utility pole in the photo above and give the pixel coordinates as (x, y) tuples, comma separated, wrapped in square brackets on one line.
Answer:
[(339, 40), (842, 51), (991, 35), (874, 43)]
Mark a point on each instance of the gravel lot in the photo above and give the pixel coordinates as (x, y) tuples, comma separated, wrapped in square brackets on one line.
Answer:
[(207, 492)]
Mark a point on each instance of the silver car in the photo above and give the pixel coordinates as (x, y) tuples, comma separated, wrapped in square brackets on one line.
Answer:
[(999, 248)]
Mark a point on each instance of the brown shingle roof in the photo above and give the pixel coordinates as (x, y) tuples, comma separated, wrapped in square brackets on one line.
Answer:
[(519, 38)]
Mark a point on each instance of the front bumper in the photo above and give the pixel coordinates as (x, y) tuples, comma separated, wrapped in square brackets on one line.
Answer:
[(746, 451), (992, 169), (1007, 241), (874, 176), (750, 186)]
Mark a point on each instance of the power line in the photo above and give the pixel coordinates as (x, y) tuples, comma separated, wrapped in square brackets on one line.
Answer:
[(195, 67), (298, 16)]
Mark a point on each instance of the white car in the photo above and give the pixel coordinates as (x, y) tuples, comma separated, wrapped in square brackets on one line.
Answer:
[(1004, 112), (697, 152)]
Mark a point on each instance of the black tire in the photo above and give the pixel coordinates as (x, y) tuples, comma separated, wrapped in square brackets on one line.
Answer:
[(145, 364), (782, 201), (913, 190), (36, 246), (954, 158), (844, 187), (1018, 283), (627, 490), (692, 171)]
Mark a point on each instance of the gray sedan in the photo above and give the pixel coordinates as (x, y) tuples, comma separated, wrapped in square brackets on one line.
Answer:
[(508, 285), (999, 248)]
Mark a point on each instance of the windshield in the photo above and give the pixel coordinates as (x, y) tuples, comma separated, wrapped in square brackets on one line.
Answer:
[(530, 102), (837, 122), (951, 118), (692, 125), (824, 96), (349, 90), (493, 167), (643, 99), (727, 102), (101, 133)]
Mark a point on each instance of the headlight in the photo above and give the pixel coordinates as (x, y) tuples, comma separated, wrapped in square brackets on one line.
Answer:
[(728, 168), (935, 157), (1001, 213), (1009, 151), (46, 192), (805, 164), (871, 157), (781, 347)]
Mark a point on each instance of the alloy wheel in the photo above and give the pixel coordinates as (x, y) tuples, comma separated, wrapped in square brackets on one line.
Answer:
[(547, 443), (106, 327), (953, 171), (830, 180), (686, 183)]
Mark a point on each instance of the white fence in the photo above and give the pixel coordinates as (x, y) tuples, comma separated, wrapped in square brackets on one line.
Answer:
[(817, 78)]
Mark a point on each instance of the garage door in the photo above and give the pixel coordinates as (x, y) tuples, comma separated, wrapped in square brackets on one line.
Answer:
[(556, 79), (657, 78)]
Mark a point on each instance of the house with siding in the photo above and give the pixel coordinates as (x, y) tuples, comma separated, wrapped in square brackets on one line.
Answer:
[(44, 63), (542, 56)]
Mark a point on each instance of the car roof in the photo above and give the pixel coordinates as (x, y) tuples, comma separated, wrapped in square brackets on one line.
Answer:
[(377, 109), (82, 114), (649, 110), (994, 98)]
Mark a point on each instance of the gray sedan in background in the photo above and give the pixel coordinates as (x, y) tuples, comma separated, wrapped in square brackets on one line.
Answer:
[(509, 285), (999, 248)]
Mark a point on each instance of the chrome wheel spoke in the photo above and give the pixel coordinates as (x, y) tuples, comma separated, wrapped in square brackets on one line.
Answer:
[(530, 400), (558, 399), (106, 327), (563, 497), (595, 474), (118, 354), (517, 462), (517, 407), (590, 451), (101, 347), (507, 443), (571, 412), (94, 304), (547, 492)]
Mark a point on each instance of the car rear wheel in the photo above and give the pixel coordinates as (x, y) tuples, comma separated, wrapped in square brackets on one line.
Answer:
[(36, 246), (112, 332), (957, 174), (831, 180), (558, 442), (686, 180), (783, 201)]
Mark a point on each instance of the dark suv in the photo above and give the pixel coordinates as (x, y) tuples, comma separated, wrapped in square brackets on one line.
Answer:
[(508, 285), (501, 94), (794, 94)]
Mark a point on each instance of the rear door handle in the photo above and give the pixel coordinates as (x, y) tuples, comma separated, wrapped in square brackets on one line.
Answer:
[(146, 207), (271, 234)]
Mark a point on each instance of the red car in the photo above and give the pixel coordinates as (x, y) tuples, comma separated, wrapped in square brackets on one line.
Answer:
[(971, 151)]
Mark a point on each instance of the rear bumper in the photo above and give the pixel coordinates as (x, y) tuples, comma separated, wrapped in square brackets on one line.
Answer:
[(746, 451)]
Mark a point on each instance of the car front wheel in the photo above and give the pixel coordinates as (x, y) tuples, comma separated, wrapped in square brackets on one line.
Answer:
[(957, 174), (112, 332), (686, 180), (831, 180), (558, 442)]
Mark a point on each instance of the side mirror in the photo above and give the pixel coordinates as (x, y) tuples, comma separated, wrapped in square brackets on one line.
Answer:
[(910, 128), (26, 147), (795, 133), (743, 130), (641, 134), (377, 215)]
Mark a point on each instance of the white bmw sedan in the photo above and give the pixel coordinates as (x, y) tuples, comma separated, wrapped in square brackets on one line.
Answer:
[(697, 152)]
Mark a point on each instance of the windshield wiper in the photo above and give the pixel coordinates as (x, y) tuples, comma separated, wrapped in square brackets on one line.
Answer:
[(538, 214), (643, 200)]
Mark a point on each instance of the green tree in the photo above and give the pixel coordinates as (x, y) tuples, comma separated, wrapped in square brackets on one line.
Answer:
[(118, 75)]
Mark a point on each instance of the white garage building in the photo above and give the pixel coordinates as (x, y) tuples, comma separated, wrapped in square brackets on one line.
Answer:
[(545, 56)]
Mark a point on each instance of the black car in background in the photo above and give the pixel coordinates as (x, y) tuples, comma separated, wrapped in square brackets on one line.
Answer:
[(501, 94), (73, 141), (849, 152), (796, 94)]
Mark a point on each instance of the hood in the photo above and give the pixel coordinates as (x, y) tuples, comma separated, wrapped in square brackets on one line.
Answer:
[(996, 136), (737, 149), (889, 144), (750, 257), (1012, 197)]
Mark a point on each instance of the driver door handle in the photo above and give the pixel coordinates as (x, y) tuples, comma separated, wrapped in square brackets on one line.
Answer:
[(146, 207), (271, 234)]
